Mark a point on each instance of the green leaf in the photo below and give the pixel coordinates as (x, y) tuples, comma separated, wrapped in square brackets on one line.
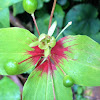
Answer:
[(4, 18), (84, 21), (83, 63), (78, 97), (18, 8), (9, 90), (14, 43), (79, 90), (40, 4), (59, 15), (7, 3), (37, 87), (96, 37), (46, 0), (62, 2), (45, 87), (41, 12)]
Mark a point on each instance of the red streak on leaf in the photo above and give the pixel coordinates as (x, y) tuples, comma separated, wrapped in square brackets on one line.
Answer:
[(36, 54), (24, 60), (58, 52), (56, 56), (43, 67), (46, 66)]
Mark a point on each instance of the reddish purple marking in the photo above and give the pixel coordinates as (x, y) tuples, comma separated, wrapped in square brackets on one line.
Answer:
[(57, 53), (36, 54), (46, 66), (24, 60)]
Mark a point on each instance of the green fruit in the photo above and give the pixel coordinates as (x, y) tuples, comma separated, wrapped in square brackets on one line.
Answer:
[(11, 67), (68, 81), (30, 6)]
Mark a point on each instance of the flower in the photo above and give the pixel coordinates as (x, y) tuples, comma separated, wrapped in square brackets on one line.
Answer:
[(47, 56), (47, 53)]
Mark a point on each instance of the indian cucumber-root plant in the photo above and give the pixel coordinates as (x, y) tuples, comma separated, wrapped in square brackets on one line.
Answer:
[(57, 65)]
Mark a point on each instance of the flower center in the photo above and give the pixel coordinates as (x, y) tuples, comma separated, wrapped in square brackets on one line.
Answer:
[(46, 43)]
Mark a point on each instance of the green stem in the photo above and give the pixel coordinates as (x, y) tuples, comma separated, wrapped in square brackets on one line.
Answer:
[(69, 23)]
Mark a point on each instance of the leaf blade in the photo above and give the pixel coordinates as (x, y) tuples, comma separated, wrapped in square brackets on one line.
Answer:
[(8, 88), (14, 43), (45, 88), (83, 64)]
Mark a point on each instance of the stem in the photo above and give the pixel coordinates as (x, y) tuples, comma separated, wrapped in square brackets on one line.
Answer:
[(35, 23), (53, 8), (17, 81), (69, 23)]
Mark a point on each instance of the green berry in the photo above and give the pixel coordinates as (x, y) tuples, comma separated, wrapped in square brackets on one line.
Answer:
[(11, 67), (30, 6), (68, 81)]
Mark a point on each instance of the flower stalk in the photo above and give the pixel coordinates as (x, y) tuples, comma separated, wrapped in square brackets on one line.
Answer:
[(33, 16), (52, 12)]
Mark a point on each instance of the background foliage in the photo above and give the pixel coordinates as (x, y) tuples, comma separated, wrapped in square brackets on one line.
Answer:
[(84, 14)]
